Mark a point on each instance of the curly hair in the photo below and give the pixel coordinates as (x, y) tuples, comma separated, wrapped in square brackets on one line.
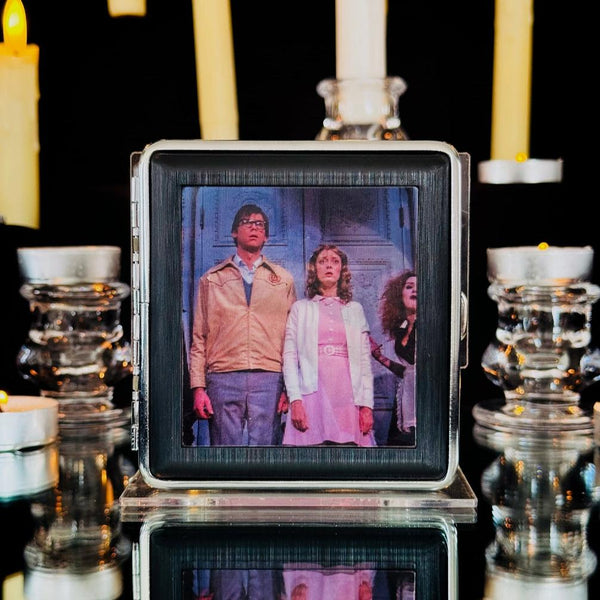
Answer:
[(391, 308), (313, 285)]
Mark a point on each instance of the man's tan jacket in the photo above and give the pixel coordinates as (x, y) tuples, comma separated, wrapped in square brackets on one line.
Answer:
[(231, 335)]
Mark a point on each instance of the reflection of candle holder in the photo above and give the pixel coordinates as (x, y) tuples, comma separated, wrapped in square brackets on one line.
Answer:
[(361, 109), (541, 357), (75, 351), (542, 490), (77, 547)]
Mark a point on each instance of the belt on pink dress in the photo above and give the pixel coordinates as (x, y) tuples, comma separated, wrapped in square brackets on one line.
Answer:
[(333, 349)]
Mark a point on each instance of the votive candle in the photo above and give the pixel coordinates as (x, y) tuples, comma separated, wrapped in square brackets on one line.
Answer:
[(540, 265)]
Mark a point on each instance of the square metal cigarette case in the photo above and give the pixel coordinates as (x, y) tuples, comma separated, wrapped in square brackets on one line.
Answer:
[(388, 209)]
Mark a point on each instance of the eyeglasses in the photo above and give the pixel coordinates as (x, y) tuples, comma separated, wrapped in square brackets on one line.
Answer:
[(250, 223)]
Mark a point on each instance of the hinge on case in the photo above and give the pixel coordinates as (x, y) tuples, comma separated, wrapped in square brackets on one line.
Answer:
[(135, 421), (135, 571), (135, 296)]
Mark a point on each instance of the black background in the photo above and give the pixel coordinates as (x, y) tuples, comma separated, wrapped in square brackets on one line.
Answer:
[(109, 86)]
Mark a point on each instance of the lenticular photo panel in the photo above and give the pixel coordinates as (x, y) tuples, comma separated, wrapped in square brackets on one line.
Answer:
[(298, 313)]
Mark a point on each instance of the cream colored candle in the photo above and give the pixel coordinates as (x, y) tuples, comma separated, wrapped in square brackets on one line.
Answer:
[(511, 97), (120, 8), (360, 35), (215, 70), (19, 131)]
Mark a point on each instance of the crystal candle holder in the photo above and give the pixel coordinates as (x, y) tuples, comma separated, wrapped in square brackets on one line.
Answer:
[(361, 109), (75, 349), (541, 357)]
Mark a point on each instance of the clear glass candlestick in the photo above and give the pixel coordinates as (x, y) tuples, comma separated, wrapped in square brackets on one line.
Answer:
[(75, 349), (361, 109), (541, 357)]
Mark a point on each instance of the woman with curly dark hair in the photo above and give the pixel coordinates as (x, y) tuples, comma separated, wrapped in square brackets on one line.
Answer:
[(327, 359), (398, 314)]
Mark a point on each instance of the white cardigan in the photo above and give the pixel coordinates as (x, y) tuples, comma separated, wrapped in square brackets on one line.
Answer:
[(300, 350)]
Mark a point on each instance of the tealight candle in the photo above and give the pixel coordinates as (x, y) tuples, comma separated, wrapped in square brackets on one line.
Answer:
[(27, 421), (539, 265)]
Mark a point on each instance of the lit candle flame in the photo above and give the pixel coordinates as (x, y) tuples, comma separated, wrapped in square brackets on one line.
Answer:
[(543, 246), (3, 399), (14, 25)]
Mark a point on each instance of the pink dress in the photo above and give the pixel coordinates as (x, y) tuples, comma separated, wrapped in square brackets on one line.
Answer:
[(331, 413)]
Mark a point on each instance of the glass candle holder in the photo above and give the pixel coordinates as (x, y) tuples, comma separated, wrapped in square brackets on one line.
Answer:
[(541, 357), (361, 109), (75, 349)]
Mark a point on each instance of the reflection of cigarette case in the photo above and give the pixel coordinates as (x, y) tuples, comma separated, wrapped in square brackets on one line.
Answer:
[(412, 560), (391, 207)]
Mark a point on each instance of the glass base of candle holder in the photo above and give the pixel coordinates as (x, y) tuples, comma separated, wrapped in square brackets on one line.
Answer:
[(533, 414)]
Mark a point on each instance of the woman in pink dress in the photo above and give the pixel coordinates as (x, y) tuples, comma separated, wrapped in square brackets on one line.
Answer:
[(327, 359)]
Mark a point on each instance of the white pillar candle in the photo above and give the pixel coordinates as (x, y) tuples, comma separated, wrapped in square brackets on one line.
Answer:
[(19, 132), (511, 94), (539, 265), (360, 34), (120, 8), (215, 70)]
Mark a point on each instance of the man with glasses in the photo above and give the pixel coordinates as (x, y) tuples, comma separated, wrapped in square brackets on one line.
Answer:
[(237, 341)]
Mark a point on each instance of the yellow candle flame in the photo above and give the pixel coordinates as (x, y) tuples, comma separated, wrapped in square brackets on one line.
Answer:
[(543, 246), (14, 25), (3, 399)]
